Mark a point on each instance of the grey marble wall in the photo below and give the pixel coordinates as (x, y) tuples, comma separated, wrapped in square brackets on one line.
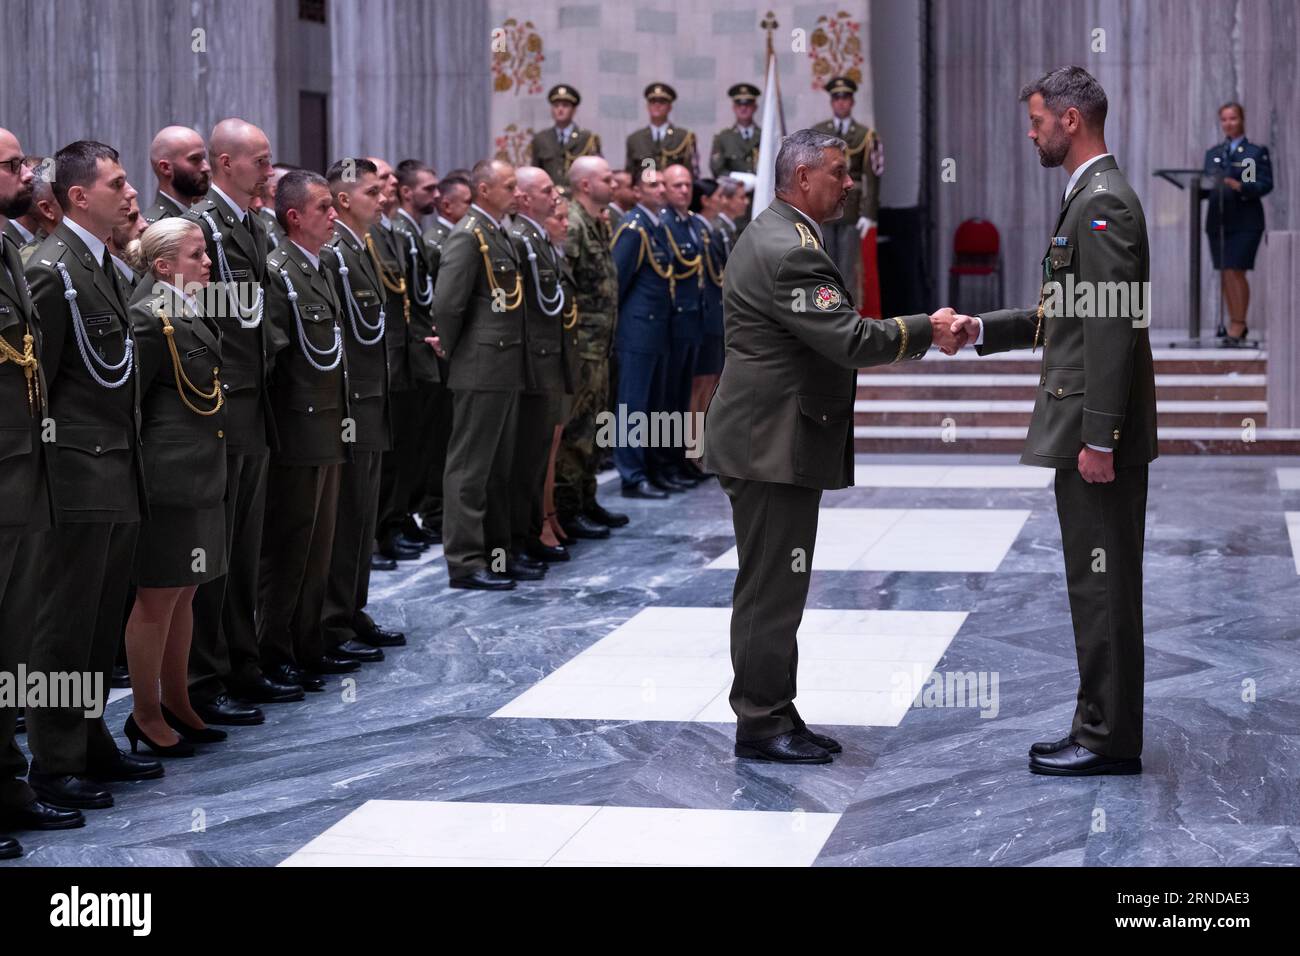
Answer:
[(1168, 65), (411, 79)]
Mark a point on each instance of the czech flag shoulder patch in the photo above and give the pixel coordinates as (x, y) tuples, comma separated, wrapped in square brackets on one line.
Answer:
[(1099, 225)]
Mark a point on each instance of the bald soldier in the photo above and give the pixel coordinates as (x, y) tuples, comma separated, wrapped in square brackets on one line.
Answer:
[(225, 660), (780, 428), (179, 159)]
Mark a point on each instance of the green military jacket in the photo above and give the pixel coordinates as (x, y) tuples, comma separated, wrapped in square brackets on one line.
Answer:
[(864, 198), (677, 148), (420, 256), (307, 360), (479, 303), (274, 231), (732, 153), (182, 428), (24, 404), (392, 273), (783, 409), (547, 152), (546, 309), (595, 279), (1097, 386), (164, 207), (365, 353)]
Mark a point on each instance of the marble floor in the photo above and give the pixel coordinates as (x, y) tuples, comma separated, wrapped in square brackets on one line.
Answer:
[(583, 720)]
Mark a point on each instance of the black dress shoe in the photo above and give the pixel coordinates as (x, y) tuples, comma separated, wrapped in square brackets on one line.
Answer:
[(41, 816), (696, 472), (136, 736), (642, 489), (390, 547), (377, 636), (333, 664), (380, 563), (1047, 746), (828, 744), (411, 544), (783, 748), (354, 650), (1076, 760), (290, 674), (483, 580), (121, 679), (262, 690), (666, 485), (525, 572), (224, 711), (195, 735), (10, 849), (125, 768), (684, 478), (610, 519), (74, 792), (522, 559), (580, 526), (547, 554), (426, 538)]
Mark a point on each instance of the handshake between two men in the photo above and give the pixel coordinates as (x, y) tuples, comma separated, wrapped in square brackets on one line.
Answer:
[(952, 331)]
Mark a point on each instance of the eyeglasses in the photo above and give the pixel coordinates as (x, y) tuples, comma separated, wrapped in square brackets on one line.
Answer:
[(13, 165)]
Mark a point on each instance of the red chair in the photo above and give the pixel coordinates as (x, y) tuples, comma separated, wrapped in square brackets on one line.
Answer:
[(976, 251)]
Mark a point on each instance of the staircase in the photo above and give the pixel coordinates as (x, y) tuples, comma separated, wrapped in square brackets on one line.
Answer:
[(1206, 400)]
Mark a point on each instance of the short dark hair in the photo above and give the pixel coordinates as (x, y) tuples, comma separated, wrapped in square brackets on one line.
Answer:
[(1069, 86), (77, 164), (292, 192), (408, 170), (484, 171), (458, 172), (353, 166), (449, 182), (803, 147), (1234, 105)]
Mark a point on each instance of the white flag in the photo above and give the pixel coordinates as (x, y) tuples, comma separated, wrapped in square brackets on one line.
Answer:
[(770, 144)]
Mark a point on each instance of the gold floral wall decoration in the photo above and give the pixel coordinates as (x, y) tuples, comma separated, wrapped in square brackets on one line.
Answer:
[(512, 145), (517, 57), (836, 49)]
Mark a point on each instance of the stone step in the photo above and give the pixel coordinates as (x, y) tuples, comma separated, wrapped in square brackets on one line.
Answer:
[(900, 411), (1167, 361), (1234, 387), (971, 439)]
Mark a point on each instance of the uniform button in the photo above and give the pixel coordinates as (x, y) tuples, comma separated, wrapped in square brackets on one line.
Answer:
[(1043, 380), (1059, 390), (310, 408), (226, 386), (1115, 434), (823, 418), (215, 370), (501, 344), (220, 433), (98, 449)]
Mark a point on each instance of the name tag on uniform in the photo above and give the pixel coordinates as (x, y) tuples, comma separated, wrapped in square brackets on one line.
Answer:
[(195, 353), (366, 295), (239, 274), (313, 308), (1060, 240), (99, 318)]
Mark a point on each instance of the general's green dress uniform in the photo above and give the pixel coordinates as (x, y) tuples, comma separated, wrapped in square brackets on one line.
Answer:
[(182, 440), (735, 149), (546, 375), (309, 401), (596, 285), (479, 304), (1097, 388), (779, 430), (94, 401), (24, 497), (866, 162), (555, 149), (668, 145), (225, 650), (364, 319)]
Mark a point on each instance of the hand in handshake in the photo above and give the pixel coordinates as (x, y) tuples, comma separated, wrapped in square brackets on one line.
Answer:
[(951, 332)]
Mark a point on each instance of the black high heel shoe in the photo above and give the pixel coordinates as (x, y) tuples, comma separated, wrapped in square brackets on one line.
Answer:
[(195, 735), (136, 735)]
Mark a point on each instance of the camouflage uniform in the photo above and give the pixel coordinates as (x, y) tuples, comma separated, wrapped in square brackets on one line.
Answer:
[(587, 250)]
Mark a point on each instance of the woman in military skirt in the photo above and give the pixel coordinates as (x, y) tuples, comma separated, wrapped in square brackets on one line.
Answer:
[(182, 442)]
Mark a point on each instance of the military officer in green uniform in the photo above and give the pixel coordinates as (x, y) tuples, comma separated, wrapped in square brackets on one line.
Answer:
[(866, 164), (479, 304), (179, 159), (555, 149), (29, 228), (661, 144), (1094, 419), (587, 249), (735, 149), (310, 402), (780, 427), (358, 198)]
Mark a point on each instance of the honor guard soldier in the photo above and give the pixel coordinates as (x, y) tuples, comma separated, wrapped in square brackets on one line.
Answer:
[(358, 191), (735, 149), (311, 403), (417, 193), (401, 465), (94, 403), (547, 309), (179, 159), (661, 144), (555, 149), (224, 660), (24, 497), (479, 303), (587, 249), (866, 164), (644, 260)]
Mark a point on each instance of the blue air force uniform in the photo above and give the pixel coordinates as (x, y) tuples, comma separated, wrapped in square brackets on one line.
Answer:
[(1240, 213)]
